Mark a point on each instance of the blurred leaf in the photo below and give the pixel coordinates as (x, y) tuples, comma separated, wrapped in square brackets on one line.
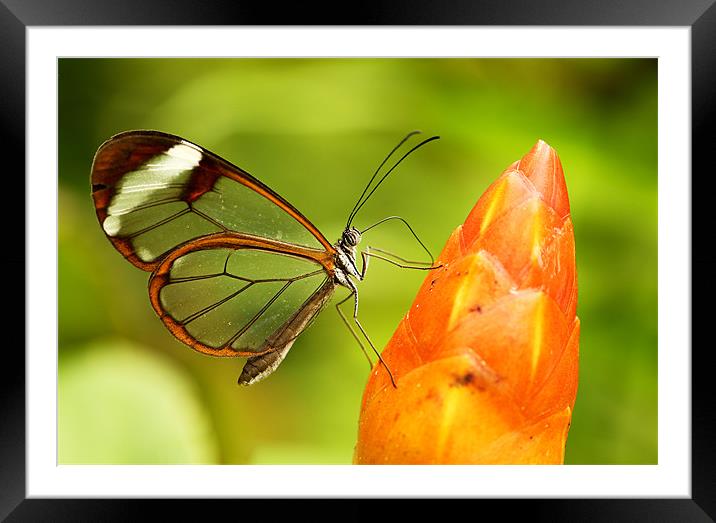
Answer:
[(119, 403)]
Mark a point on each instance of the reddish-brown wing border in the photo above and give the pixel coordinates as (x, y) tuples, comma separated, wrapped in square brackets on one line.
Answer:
[(126, 151), (161, 276)]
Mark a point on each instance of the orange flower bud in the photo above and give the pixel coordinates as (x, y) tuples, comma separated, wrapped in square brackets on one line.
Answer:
[(486, 360)]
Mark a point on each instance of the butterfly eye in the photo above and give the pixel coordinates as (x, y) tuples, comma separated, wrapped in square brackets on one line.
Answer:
[(351, 237)]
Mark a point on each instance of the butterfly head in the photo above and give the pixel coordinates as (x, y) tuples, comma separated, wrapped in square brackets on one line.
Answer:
[(351, 237)]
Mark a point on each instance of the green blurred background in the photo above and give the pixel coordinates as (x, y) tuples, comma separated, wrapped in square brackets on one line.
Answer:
[(314, 130)]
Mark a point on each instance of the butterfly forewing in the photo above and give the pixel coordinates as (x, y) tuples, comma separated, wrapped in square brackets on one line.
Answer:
[(154, 191)]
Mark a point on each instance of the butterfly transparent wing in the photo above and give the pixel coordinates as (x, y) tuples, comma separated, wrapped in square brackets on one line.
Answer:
[(226, 301), (154, 191)]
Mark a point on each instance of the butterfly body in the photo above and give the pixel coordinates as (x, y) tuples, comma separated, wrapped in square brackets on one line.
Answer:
[(345, 259)]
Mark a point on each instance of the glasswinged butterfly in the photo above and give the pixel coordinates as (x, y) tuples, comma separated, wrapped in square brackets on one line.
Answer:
[(236, 270)]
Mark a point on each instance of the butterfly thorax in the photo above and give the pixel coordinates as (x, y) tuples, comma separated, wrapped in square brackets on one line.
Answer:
[(346, 257)]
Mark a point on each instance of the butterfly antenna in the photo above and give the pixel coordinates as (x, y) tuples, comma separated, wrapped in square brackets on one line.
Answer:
[(355, 207)]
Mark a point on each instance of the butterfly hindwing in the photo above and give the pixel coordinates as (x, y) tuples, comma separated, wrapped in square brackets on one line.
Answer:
[(231, 295)]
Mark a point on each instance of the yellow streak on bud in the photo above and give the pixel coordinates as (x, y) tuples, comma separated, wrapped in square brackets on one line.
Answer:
[(537, 337), (457, 306), (462, 295), (450, 401), (536, 254), (495, 202)]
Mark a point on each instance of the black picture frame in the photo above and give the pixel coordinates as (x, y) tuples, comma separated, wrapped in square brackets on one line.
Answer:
[(17, 15)]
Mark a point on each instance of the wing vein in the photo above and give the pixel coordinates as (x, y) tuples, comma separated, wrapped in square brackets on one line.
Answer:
[(209, 219), (184, 279), (160, 223), (290, 280), (210, 308), (257, 315)]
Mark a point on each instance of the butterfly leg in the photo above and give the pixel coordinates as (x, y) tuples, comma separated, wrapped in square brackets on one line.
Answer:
[(354, 293), (369, 251), (404, 222), (350, 327), (407, 264), (365, 255)]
